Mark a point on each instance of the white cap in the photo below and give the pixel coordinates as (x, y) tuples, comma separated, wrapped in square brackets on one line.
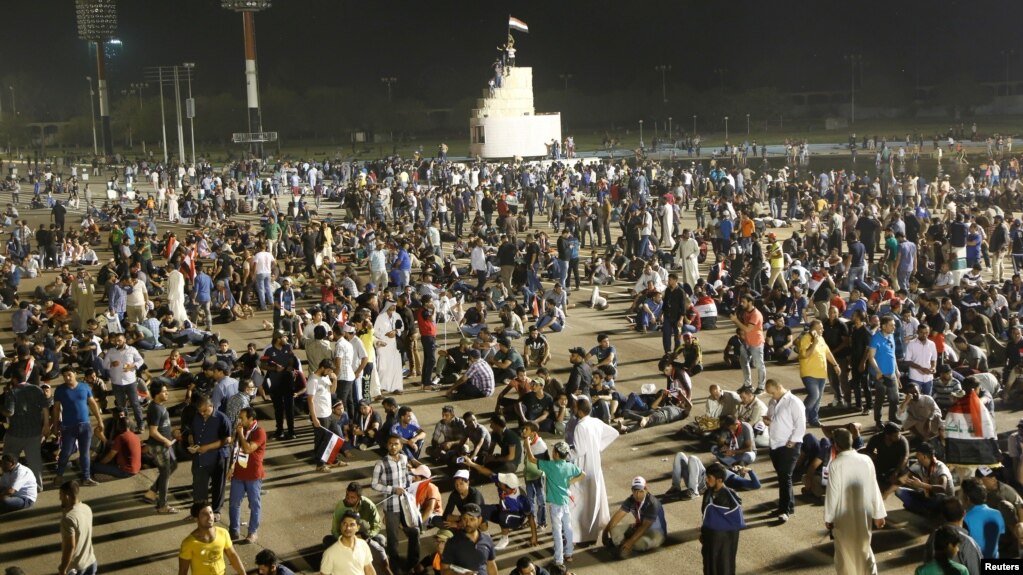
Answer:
[(509, 479), (462, 474)]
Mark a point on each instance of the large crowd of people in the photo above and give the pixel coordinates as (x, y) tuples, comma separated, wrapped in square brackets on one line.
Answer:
[(369, 279)]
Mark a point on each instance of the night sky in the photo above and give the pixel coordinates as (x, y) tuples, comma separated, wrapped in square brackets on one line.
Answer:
[(443, 49)]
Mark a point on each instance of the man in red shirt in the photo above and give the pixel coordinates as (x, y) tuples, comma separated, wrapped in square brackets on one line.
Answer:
[(428, 337), (246, 473)]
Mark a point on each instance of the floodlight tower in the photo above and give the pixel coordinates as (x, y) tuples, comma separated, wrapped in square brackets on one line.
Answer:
[(248, 9), (97, 23)]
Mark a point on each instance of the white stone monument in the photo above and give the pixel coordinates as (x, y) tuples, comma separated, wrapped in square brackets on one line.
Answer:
[(504, 123)]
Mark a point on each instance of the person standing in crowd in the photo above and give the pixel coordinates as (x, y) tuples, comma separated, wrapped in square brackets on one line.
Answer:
[(28, 417), (210, 435), (391, 477), (280, 363), (161, 446), (751, 354), (121, 363), (73, 402), (590, 436), (786, 421), (814, 357), (76, 550), (722, 522), (205, 548), (853, 505), (247, 474), (884, 370)]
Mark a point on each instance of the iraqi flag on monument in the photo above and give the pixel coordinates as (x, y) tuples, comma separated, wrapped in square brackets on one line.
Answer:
[(516, 24), (970, 437), (333, 448)]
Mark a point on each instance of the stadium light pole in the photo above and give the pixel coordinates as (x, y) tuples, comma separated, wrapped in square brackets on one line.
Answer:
[(726, 128), (641, 133), (694, 124), (97, 23), (853, 60), (747, 124), (92, 110), (190, 106), (248, 9), (664, 69)]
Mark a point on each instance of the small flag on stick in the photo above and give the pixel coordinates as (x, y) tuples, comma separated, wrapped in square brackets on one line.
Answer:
[(333, 448)]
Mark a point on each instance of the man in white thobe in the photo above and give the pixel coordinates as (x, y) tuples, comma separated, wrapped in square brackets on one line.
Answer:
[(852, 506), (589, 436), (667, 225), (689, 250)]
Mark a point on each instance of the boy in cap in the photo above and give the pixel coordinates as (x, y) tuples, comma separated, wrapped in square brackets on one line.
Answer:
[(514, 508), (560, 474)]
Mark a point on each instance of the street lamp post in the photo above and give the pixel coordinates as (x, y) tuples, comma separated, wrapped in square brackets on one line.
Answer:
[(565, 77), (747, 124), (389, 80), (664, 69), (694, 124), (670, 133), (853, 60), (190, 106), (92, 110), (641, 133), (181, 126), (726, 129), (14, 103)]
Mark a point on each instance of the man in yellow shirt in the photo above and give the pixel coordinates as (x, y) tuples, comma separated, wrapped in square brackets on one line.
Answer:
[(203, 551), (814, 357)]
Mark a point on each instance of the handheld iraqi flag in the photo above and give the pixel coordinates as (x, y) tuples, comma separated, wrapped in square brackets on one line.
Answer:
[(516, 24), (970, 437), (333, 448)]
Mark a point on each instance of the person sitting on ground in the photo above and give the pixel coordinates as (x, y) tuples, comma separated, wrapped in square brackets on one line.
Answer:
[(890, 451), (445, 444), (920, 415), (267, 563), (461, 496), (732, 350), (952, 513), (735, 443), (508, 460), (453, 362), (926, 483), (513, 510), (365, 427), (18, 488), (125, 447), (752, 410), (646, 533), (690, 354), (689, 470), (945, 543)]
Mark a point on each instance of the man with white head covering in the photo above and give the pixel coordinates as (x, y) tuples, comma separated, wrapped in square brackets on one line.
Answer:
[(589, 436), (386, 330)]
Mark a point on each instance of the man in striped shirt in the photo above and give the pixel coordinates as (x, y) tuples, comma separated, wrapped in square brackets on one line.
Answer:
[(391, 477)]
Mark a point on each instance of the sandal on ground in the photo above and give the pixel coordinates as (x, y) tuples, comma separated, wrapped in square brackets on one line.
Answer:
[(167, 510)]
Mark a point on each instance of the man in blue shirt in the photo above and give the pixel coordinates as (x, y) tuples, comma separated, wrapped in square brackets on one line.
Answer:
[(73, 402), (410, 434), (202, 292), (208, 444), (855, 262), (986, 525), (884, 369)]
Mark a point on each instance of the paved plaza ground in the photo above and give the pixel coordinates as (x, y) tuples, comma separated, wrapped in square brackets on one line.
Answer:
[(131, 539)]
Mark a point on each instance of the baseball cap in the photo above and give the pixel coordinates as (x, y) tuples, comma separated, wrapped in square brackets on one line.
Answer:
[(371, 286), (892, 427), (577, 351), (462, 474), (504, 341), (509, 479), (473, 510), (538, 381), (533, 328), (946, 368), (474, 353), (465, 340), (638, 483), (422, 471), (221, 366), (444, 535), (883, 283)]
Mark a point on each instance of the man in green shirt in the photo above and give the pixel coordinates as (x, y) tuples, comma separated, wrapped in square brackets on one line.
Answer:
[(370, 524)]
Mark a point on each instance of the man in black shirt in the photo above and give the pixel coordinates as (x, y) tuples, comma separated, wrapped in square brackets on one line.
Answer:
[(580, 378), (859, 339), (454, 361), (674, 303), (506, 255), (538, 406)]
